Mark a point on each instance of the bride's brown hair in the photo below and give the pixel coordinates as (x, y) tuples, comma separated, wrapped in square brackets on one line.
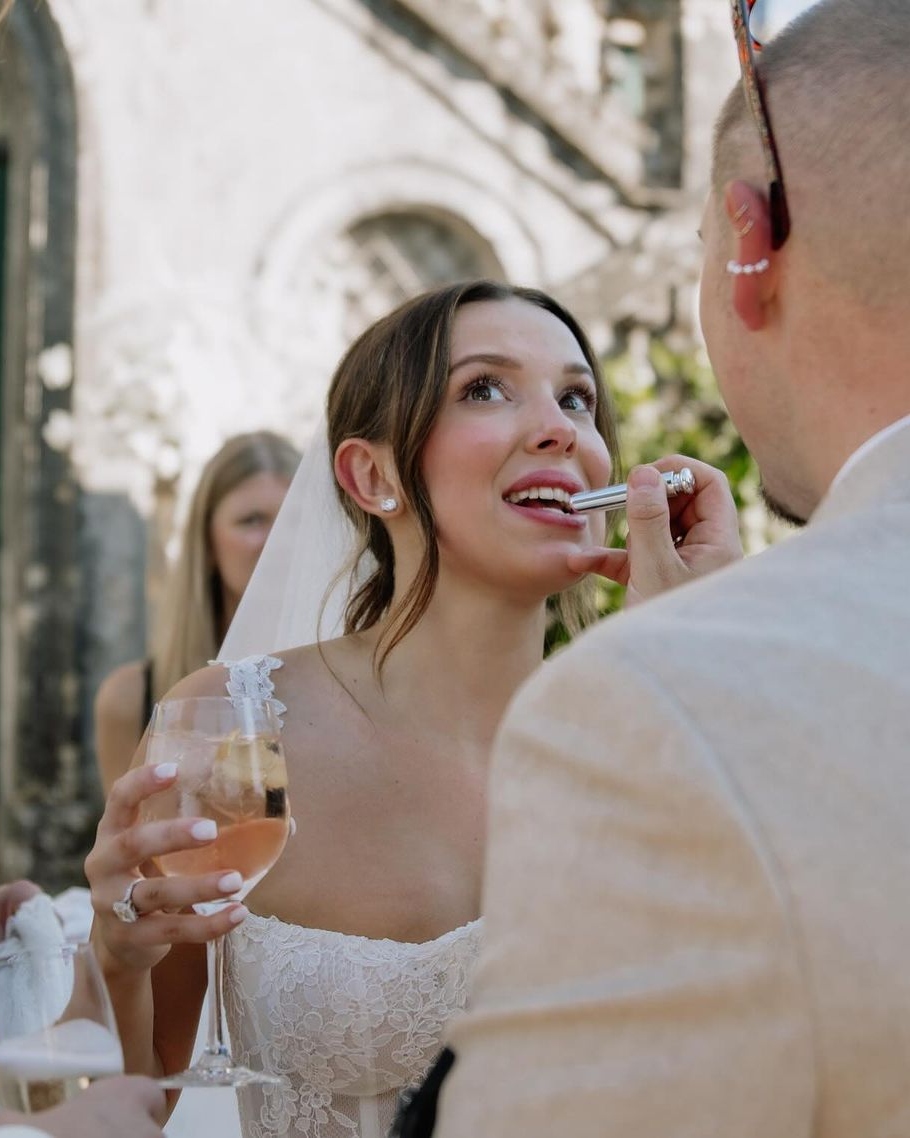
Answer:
[(389, 388)]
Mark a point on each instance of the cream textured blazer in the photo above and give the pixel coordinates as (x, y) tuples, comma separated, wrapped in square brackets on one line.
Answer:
[(698, 888)]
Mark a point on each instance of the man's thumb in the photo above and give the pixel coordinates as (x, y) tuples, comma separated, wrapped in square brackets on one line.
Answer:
[(648, 514)]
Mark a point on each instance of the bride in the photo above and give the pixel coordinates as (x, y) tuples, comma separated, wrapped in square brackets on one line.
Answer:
[(457, 426)]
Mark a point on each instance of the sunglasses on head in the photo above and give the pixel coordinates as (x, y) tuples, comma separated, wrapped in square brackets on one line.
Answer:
[(755, 22)]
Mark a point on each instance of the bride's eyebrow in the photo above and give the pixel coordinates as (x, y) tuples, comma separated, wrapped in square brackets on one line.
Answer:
[(491, 358), (578, 369)]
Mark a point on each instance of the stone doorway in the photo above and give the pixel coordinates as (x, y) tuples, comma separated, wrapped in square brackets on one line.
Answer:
[(45, 816)]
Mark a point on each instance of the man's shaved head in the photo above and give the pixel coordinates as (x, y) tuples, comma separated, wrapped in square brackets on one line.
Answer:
[(838, 90)]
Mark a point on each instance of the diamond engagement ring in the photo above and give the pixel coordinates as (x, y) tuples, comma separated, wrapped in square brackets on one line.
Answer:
[(125, 910)]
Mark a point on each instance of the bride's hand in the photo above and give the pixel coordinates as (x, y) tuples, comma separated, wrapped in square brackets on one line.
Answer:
[(123, 844), (671, 540)]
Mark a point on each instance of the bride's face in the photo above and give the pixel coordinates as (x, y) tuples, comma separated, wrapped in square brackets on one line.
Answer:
[(514, 437)]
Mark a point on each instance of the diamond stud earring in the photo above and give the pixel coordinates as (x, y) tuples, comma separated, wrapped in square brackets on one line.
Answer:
[(388, 505)]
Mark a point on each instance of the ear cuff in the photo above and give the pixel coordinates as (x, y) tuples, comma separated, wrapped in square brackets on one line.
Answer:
[(737, 268)]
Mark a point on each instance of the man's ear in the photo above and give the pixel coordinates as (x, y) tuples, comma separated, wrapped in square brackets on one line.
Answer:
[(366, 472), (753, 269)]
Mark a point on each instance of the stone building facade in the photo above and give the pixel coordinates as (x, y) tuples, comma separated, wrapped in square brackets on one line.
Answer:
[(204, 200)]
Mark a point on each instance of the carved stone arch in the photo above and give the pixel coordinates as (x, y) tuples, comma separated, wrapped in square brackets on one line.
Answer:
[(347, 251), (44, 819), (392, 255)]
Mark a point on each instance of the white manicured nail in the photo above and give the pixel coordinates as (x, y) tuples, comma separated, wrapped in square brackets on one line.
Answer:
[(239, 914), (165, 771), (204, 830), (230, 883)]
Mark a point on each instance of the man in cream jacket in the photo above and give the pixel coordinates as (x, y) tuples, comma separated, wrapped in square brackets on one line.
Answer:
[(698, 888)]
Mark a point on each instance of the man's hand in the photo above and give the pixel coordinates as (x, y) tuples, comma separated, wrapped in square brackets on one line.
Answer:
[(111, 1108), (12, 896), (671, 540)]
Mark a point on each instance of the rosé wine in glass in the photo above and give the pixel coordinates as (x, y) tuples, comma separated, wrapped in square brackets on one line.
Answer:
[(231, 769)]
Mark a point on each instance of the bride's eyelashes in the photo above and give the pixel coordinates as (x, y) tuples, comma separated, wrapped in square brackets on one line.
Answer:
[(585, 398), (484, 389), (491, 389)]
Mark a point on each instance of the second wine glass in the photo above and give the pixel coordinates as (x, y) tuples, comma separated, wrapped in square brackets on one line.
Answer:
[(231, 769), (57, 1027)]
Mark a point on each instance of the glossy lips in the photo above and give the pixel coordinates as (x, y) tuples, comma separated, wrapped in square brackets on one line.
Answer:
[(555, 494), (545, 494)]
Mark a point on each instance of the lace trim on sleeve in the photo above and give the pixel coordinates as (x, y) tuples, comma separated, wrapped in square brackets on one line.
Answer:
[(249, 678)]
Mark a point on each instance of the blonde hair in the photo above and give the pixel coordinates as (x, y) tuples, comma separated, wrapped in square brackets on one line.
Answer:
[(187, 625)]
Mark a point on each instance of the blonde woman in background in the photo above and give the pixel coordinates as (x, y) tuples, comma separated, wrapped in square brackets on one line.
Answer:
[(230, 516)]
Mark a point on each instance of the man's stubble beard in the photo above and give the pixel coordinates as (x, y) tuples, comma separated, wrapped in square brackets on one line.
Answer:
[(778, 510)]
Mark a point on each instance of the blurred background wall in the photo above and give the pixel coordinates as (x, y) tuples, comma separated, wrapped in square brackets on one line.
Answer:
[(203, 201)]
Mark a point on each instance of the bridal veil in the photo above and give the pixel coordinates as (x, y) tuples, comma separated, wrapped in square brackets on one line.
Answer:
[(302, 581)]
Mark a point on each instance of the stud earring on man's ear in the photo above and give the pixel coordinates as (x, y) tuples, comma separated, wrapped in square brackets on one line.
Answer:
[(388, 505)]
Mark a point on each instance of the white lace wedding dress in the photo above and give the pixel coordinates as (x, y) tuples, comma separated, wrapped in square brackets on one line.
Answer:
[(346, 1021)]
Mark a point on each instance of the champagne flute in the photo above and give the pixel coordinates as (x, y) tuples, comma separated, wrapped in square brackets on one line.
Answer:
[(230, 768), (57, 1025)]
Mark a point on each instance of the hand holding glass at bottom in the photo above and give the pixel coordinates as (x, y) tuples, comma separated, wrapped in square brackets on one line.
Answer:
[(57, 1027)]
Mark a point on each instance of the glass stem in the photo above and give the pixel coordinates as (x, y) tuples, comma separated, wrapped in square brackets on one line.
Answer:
[(217, 1055)]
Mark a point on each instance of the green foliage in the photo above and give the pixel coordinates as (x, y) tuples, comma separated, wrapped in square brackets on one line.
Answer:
[(667, 402)]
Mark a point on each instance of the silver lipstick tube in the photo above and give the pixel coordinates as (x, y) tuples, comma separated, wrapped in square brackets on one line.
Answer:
[(614, 497)]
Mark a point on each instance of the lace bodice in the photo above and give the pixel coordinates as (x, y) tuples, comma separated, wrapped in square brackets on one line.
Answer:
[(345, 1020)]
